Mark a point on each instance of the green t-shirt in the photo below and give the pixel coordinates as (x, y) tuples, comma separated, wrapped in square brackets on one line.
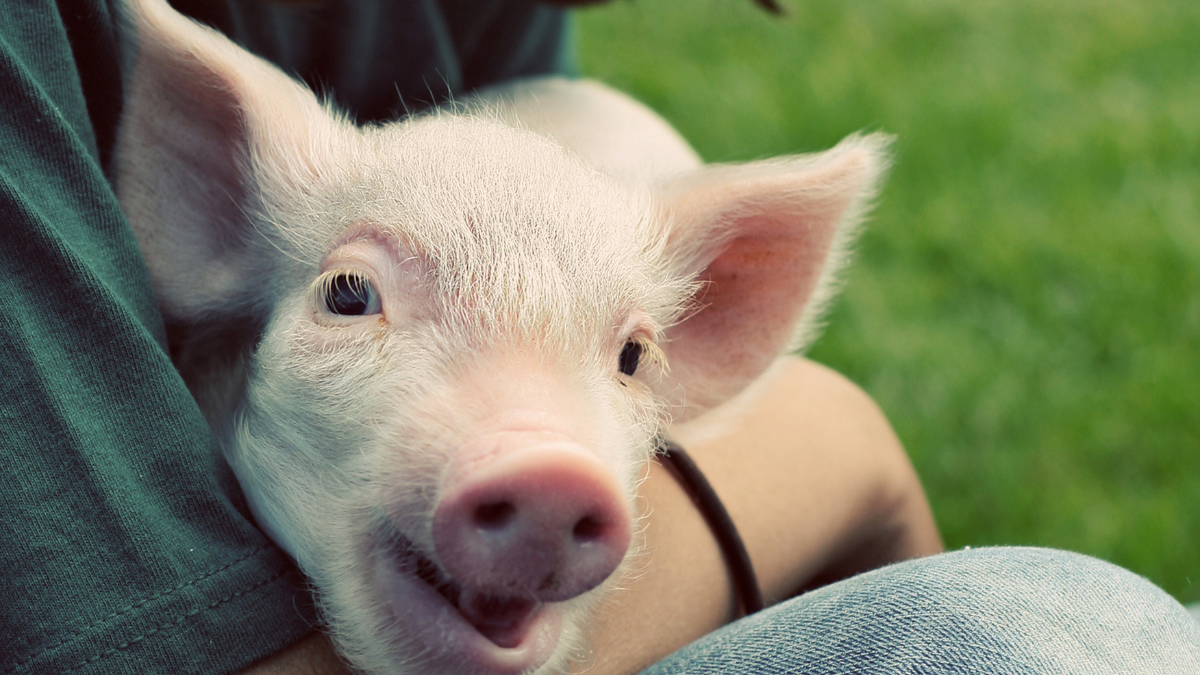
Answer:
[(126, 545)]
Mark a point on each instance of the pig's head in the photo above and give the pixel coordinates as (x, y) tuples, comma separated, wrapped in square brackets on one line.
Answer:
[(437, 352)]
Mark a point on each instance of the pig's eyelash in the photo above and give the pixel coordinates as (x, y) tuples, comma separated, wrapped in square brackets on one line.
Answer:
[(321, 285), (651, 354), (324, 284), (655, 355)]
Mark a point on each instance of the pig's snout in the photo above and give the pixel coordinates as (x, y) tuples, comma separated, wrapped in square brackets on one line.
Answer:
[(546, 523)]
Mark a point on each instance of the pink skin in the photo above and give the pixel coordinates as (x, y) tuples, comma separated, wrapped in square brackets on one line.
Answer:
[(391, 267), (528, 518), (451, 638), (539, 517)]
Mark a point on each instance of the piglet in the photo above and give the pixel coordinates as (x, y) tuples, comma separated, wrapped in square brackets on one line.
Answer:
[(437, 352)]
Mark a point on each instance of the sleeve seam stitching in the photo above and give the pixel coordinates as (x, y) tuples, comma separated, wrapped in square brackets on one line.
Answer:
[(175, 622), (141, 603)]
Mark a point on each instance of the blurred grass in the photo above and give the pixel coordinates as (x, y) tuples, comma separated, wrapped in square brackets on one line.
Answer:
[(1025, 304)]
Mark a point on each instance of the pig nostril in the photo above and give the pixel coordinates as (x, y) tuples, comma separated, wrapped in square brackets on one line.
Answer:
[(545, 524), (588, 529), (494, 516)]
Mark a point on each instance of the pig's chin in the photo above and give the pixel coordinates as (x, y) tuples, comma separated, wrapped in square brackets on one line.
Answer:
[(460, 626)]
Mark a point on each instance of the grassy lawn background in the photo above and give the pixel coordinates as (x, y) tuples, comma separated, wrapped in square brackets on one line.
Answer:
[(1025, 304)]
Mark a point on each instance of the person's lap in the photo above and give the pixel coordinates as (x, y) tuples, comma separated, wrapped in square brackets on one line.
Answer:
[(995, 610)]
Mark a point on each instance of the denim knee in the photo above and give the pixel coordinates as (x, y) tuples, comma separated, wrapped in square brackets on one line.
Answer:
[(993, 610)]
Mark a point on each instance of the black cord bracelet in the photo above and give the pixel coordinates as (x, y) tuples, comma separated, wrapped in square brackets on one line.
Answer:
[(688, 475)]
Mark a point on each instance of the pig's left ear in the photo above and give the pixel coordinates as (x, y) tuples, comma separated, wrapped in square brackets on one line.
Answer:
[(766, 240), (200, 115)]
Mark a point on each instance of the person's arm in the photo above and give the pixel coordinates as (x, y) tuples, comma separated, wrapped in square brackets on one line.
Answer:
[(819, 487)]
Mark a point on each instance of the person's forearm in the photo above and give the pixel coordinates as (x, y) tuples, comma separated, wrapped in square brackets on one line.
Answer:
[(819, 488), (313, 655)]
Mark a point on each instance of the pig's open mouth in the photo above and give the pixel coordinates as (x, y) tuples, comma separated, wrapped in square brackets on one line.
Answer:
[(505, 621)]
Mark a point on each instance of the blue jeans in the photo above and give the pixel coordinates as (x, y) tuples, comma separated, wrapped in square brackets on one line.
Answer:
[(994, 611)]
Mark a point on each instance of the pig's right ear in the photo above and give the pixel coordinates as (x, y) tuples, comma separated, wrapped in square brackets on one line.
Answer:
[(765, 240), (199, 114)]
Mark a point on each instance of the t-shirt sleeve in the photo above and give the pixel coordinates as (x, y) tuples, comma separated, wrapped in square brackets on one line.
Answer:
[(125, 545)]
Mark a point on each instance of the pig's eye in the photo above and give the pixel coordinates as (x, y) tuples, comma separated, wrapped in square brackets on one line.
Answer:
[(631, 353), (641, 351), (351, 295)]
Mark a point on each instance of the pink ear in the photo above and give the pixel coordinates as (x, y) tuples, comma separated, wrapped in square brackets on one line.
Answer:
[(766, 240), (198, 112)]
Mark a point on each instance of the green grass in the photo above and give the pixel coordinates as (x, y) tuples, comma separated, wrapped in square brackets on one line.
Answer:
[(1025, 304)]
